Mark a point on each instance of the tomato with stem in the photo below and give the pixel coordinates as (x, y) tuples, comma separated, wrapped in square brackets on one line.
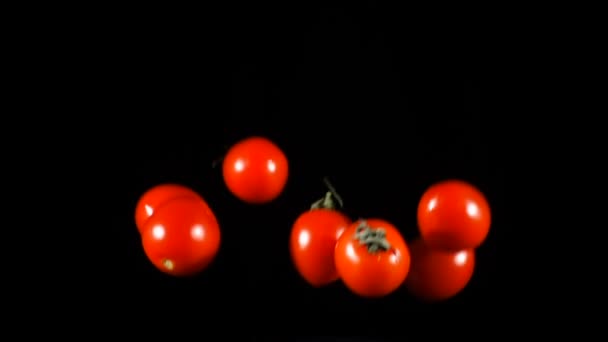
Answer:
[(255, 170), (313, 239), (372, 258), (159, 195), (453, 215), (181, 238), (437, 275)]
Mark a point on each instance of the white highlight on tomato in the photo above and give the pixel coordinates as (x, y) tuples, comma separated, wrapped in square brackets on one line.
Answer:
[(272, 167), (339, 233), (239, 165), (472, 209), (197, 232), (461, 258), (350, 252), (158, 232), (394, 257), (304, 238), (432, 204)]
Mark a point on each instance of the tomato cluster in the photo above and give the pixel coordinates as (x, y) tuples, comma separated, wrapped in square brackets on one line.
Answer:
[(371, 257), (181, 234)]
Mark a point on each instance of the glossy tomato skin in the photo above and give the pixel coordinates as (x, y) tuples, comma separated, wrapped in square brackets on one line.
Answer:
[(255, 170), (453, 215), (438, 275), (157, 196), (181, 239), (313, 242), (376, 274)]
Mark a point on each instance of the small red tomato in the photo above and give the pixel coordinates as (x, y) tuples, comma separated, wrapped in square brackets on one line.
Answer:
[(255, 170), (453, 215), (372, 258), (181, 238), (437, 275), (157, 196), (313, 242)]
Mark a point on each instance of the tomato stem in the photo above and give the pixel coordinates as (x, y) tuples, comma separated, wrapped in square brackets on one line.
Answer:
[(327, 202), (373, 238), (333, 192), (331, 200)]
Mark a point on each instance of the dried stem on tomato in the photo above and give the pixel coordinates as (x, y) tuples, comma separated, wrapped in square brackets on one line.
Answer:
[(373, 238)]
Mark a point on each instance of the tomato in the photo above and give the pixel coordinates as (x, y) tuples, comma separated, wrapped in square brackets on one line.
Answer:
[(438, 275), (313, 241), (453, 215), (372, 258), (255, 170), (181, 238), (158, 195)]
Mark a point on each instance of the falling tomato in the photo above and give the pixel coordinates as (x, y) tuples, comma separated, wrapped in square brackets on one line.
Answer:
[(181, 238), (372, 258), (453, 215), (255, 170), (313, 242)]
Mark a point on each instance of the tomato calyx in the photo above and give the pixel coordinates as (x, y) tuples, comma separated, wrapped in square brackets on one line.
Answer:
[(373, 238), (331, 200)]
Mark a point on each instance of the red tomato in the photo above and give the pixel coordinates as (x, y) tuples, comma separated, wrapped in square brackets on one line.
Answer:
[(158, 195), (313, 241), (255, 170), (437, 275), (453, 216), (181, 239), (372, 258)]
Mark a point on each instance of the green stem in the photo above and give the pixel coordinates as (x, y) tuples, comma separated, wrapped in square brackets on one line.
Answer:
[(373, 238), (331, 200)]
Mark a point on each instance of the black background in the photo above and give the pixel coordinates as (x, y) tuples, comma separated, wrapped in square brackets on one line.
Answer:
[(382, 102)]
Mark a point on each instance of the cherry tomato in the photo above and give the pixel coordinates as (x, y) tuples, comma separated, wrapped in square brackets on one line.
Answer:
[(438, 275), (372, 258), (453, 215), (313, 242), (181, 239), (255, 170), (158, 195)]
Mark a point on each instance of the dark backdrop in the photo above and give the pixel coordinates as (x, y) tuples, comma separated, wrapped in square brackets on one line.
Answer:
[(382, 103)]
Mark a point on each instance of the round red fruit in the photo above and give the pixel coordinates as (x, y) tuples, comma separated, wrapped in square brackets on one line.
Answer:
[(313, 242), (438, 275), (372, 258), (181, 238), (453, 215), (255, 170)]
